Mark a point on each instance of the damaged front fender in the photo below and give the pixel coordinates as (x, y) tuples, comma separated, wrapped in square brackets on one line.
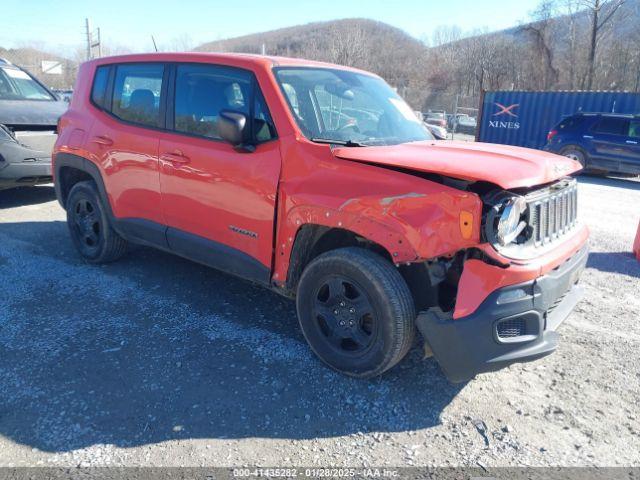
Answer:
[(411, 226)]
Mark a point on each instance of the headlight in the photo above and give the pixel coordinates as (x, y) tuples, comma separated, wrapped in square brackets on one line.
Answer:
[(509, 224), (504, 220)]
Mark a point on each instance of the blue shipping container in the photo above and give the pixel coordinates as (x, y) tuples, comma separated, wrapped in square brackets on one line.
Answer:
[(525, 118)]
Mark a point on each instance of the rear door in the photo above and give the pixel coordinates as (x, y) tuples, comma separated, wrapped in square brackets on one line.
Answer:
[(124, 139), (219, 202), (609, 143)]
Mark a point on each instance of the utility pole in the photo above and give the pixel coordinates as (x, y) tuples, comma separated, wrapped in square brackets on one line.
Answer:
[(93, 40), (455, 117), (88, 33)]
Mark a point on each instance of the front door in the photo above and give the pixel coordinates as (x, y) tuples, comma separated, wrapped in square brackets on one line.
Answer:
[(219, 202)]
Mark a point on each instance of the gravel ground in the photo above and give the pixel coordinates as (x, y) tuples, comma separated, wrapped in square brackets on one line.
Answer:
[(158, 361)]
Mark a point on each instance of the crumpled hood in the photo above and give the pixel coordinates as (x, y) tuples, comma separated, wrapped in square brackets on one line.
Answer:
[(31, 112), (503, 165)]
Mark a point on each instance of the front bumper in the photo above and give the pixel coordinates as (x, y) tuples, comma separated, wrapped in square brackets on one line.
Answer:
[(516, 323), (23, 165), (26, 173)]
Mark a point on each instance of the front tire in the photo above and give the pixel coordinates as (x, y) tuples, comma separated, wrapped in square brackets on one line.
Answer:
[(356, 311), (89, 226)]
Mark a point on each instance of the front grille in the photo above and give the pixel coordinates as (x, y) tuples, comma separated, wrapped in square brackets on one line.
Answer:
[(552, 212), (514, 327)]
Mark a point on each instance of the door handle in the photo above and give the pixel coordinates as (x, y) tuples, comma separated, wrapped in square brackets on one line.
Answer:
[(175, 158), (102, 140), (631, 142), (587, 136)]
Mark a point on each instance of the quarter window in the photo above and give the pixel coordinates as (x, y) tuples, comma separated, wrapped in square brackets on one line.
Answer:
[(262, 124), (99, 90), (634, 129), (569, 123), (136, 96)]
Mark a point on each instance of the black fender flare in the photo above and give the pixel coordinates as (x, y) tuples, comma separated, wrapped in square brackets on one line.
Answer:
[(63, 160)]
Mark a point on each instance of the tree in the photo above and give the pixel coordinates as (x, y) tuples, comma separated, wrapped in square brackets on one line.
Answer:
[(542, 35), (601, 13)]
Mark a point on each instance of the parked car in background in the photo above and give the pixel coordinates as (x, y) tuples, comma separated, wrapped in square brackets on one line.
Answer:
[(438, 133), (64, 95), (601, 142), (524, 119), (463, 123), (28, 116), (452, 119), (435, 117), (245, 163)]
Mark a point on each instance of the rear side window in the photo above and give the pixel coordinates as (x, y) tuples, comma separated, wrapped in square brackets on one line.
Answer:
[(136, 93), (612, 126), (203, 91), (99, 90), (634, 129)]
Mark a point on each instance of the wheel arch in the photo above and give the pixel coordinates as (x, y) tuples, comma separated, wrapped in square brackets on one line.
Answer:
[(70, 169), (312, 240)]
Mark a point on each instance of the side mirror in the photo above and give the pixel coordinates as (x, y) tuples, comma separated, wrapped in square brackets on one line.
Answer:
[(231, 127)]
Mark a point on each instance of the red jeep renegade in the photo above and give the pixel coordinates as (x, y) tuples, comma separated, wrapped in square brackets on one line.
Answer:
[(319, 182)]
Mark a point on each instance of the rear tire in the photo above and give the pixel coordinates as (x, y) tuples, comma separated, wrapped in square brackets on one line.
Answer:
[(356, 311), (577, 154), (89, 226)]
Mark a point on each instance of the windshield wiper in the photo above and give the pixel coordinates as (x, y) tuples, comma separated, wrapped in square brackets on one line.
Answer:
[(346, 143)]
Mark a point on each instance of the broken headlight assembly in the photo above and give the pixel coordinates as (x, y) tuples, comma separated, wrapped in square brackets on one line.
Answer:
[(505, 219)]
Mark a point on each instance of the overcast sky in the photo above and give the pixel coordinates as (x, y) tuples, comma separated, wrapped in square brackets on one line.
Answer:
[(59, 25)]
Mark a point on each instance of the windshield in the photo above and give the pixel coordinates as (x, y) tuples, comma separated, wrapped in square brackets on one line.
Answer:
[(18, 85), (344, 106)]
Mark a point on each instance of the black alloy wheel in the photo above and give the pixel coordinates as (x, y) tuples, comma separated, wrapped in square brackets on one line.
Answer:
[(356, 311), (86, 223), (344, 315), (89, 226)]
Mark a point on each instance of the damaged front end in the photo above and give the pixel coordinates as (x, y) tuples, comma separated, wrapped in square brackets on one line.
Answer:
[(501, 302), (25, 155), (515, 323)]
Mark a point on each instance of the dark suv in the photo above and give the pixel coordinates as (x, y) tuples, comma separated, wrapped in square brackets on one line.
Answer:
[(602, 142)]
